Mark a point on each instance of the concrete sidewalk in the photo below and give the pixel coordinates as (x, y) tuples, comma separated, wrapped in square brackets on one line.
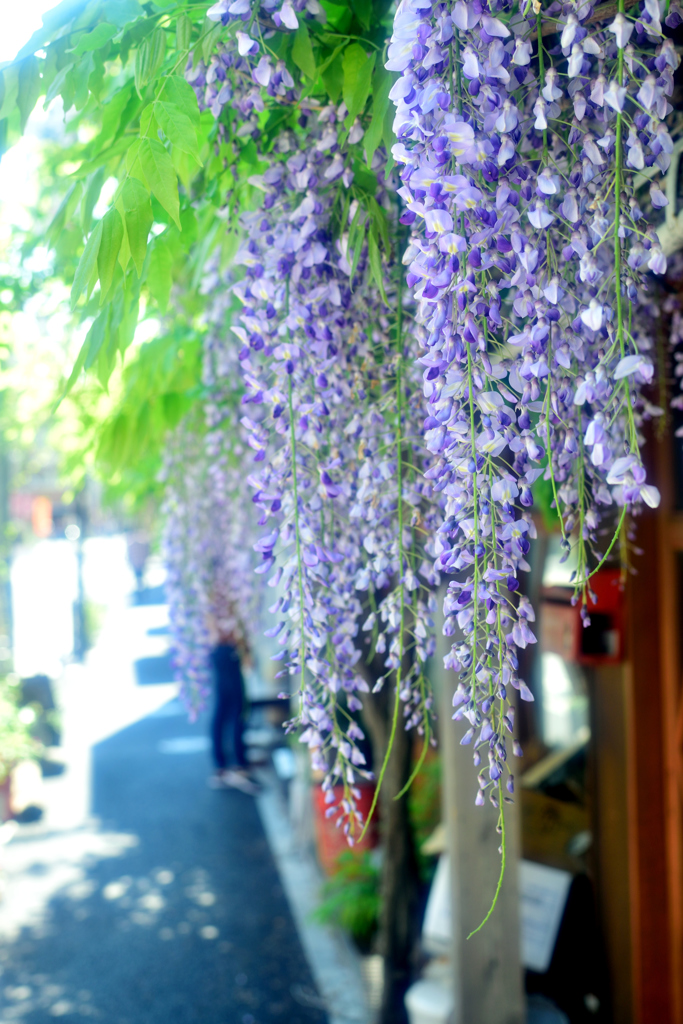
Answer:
[(174, 911), (143, 896)]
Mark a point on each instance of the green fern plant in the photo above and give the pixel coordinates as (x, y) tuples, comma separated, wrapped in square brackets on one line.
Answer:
[(16, 742), (351, 898)]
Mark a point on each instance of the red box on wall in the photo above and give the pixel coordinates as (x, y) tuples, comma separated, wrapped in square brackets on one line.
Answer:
[(563, 633)]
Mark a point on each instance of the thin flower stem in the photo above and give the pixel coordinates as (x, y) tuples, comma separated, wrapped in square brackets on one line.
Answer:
[(475, 496), (416, 770), (361, 39), (541, 75), (547, 434), (615, 538), (501, 816), (399, 485), (254, 12), (458, 70), (581, 557), (297, 531), (501, 825), (385, 763), (618, 175), (623, 554), (375, 628), (618, 181)]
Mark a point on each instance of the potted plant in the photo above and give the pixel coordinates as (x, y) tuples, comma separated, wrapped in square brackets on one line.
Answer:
[(16, 742)]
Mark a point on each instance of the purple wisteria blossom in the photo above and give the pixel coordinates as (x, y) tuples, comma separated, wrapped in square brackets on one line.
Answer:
[(397, 428), (332, 413), (321, 409), (206, 549), (527, 260)]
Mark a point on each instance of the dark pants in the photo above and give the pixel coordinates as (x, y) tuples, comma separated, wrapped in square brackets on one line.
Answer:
[(227, 716)]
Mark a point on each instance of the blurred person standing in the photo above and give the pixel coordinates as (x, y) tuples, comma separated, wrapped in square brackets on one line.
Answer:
[(228, 649), (138, 552)]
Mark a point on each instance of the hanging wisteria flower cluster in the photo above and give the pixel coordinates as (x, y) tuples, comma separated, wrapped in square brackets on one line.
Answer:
[(399, 426), (522, 165), (233, 78), (332, 408), (208, 533), (185, 554), (330, 436)]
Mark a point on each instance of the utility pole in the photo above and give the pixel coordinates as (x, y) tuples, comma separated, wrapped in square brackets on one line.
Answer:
[(81, 638), (6, 629)]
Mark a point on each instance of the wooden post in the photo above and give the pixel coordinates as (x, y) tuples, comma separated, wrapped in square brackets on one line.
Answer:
[(487, 976)]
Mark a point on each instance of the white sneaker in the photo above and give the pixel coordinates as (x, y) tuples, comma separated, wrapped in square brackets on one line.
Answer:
[(240, 780), (218, 781)]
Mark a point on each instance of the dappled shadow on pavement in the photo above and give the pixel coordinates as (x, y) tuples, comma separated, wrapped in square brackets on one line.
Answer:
[(169, 912)]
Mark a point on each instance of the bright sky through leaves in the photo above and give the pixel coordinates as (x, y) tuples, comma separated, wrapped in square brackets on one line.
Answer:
[(19, 22)]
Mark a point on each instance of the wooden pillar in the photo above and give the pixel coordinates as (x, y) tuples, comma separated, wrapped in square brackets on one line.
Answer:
[(647, 646), (612, 821), (666, 530), (654, 655), (487, 977)]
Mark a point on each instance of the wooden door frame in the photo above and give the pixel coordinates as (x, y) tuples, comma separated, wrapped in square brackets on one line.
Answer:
[(654, 652)]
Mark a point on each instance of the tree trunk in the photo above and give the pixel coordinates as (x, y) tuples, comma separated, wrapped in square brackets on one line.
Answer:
[(399, 884)]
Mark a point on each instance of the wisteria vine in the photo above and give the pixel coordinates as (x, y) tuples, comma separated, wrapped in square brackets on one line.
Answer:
[(333, 425), (522, 169), (400, 424)]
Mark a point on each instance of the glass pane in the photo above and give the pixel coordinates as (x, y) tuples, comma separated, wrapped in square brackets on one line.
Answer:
[(564, 701), (557, 573)]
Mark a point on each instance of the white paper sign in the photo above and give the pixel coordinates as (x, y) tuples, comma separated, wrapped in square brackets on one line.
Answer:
[(542, 896), (437, 929)]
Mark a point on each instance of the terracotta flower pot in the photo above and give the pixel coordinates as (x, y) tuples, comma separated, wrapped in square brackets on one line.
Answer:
[(330, 840)]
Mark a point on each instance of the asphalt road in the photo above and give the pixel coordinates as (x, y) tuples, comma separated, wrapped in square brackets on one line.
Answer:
[(187, 922)]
